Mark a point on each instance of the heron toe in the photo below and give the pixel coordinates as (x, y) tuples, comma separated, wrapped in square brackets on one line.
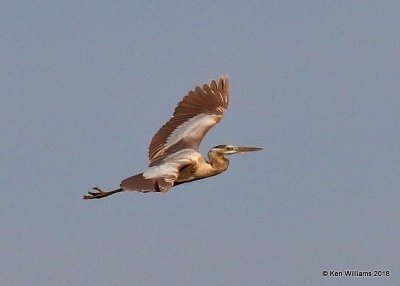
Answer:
[(95, 195)]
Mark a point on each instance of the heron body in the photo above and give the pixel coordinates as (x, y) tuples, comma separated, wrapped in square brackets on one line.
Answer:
[(173, 151)]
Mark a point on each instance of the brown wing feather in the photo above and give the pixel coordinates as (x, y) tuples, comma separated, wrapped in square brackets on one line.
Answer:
[(199, 110)]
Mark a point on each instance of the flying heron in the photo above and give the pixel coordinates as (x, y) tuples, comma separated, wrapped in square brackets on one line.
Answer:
[(173, 151)]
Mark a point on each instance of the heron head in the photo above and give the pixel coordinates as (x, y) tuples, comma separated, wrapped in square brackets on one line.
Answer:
[(230, 149)]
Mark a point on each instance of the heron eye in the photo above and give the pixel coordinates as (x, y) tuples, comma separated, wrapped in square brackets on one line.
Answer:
[(229, 148)]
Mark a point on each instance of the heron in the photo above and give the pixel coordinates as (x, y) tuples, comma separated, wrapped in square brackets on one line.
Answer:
[(173, 151)]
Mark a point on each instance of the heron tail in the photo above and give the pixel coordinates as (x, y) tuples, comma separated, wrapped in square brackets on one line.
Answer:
[(140, 184)]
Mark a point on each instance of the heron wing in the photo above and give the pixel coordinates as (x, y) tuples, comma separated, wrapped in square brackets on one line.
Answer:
[(161, 178), (154, 179), (199, 110), (165, 175)]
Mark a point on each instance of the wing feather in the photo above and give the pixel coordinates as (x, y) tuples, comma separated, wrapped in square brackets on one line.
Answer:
[(199, 110)]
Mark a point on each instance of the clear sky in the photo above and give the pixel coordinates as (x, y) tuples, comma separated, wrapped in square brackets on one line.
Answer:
[(86, 84)]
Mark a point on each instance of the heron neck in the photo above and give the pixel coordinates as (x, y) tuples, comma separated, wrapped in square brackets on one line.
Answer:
[(218, 161)]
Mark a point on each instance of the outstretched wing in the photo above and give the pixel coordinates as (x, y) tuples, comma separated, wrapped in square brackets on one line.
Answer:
[(199, 110)]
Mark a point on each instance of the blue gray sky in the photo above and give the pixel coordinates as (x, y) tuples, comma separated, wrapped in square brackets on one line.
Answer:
[(86, 84)]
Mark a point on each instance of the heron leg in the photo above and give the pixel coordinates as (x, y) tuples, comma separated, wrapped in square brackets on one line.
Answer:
[(100, 193)]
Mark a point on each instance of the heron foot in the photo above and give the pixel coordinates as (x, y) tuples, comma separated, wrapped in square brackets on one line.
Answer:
[(100, 194), (96, 195)]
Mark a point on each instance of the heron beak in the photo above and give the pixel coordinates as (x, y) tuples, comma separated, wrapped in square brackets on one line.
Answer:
[(247, 149)]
